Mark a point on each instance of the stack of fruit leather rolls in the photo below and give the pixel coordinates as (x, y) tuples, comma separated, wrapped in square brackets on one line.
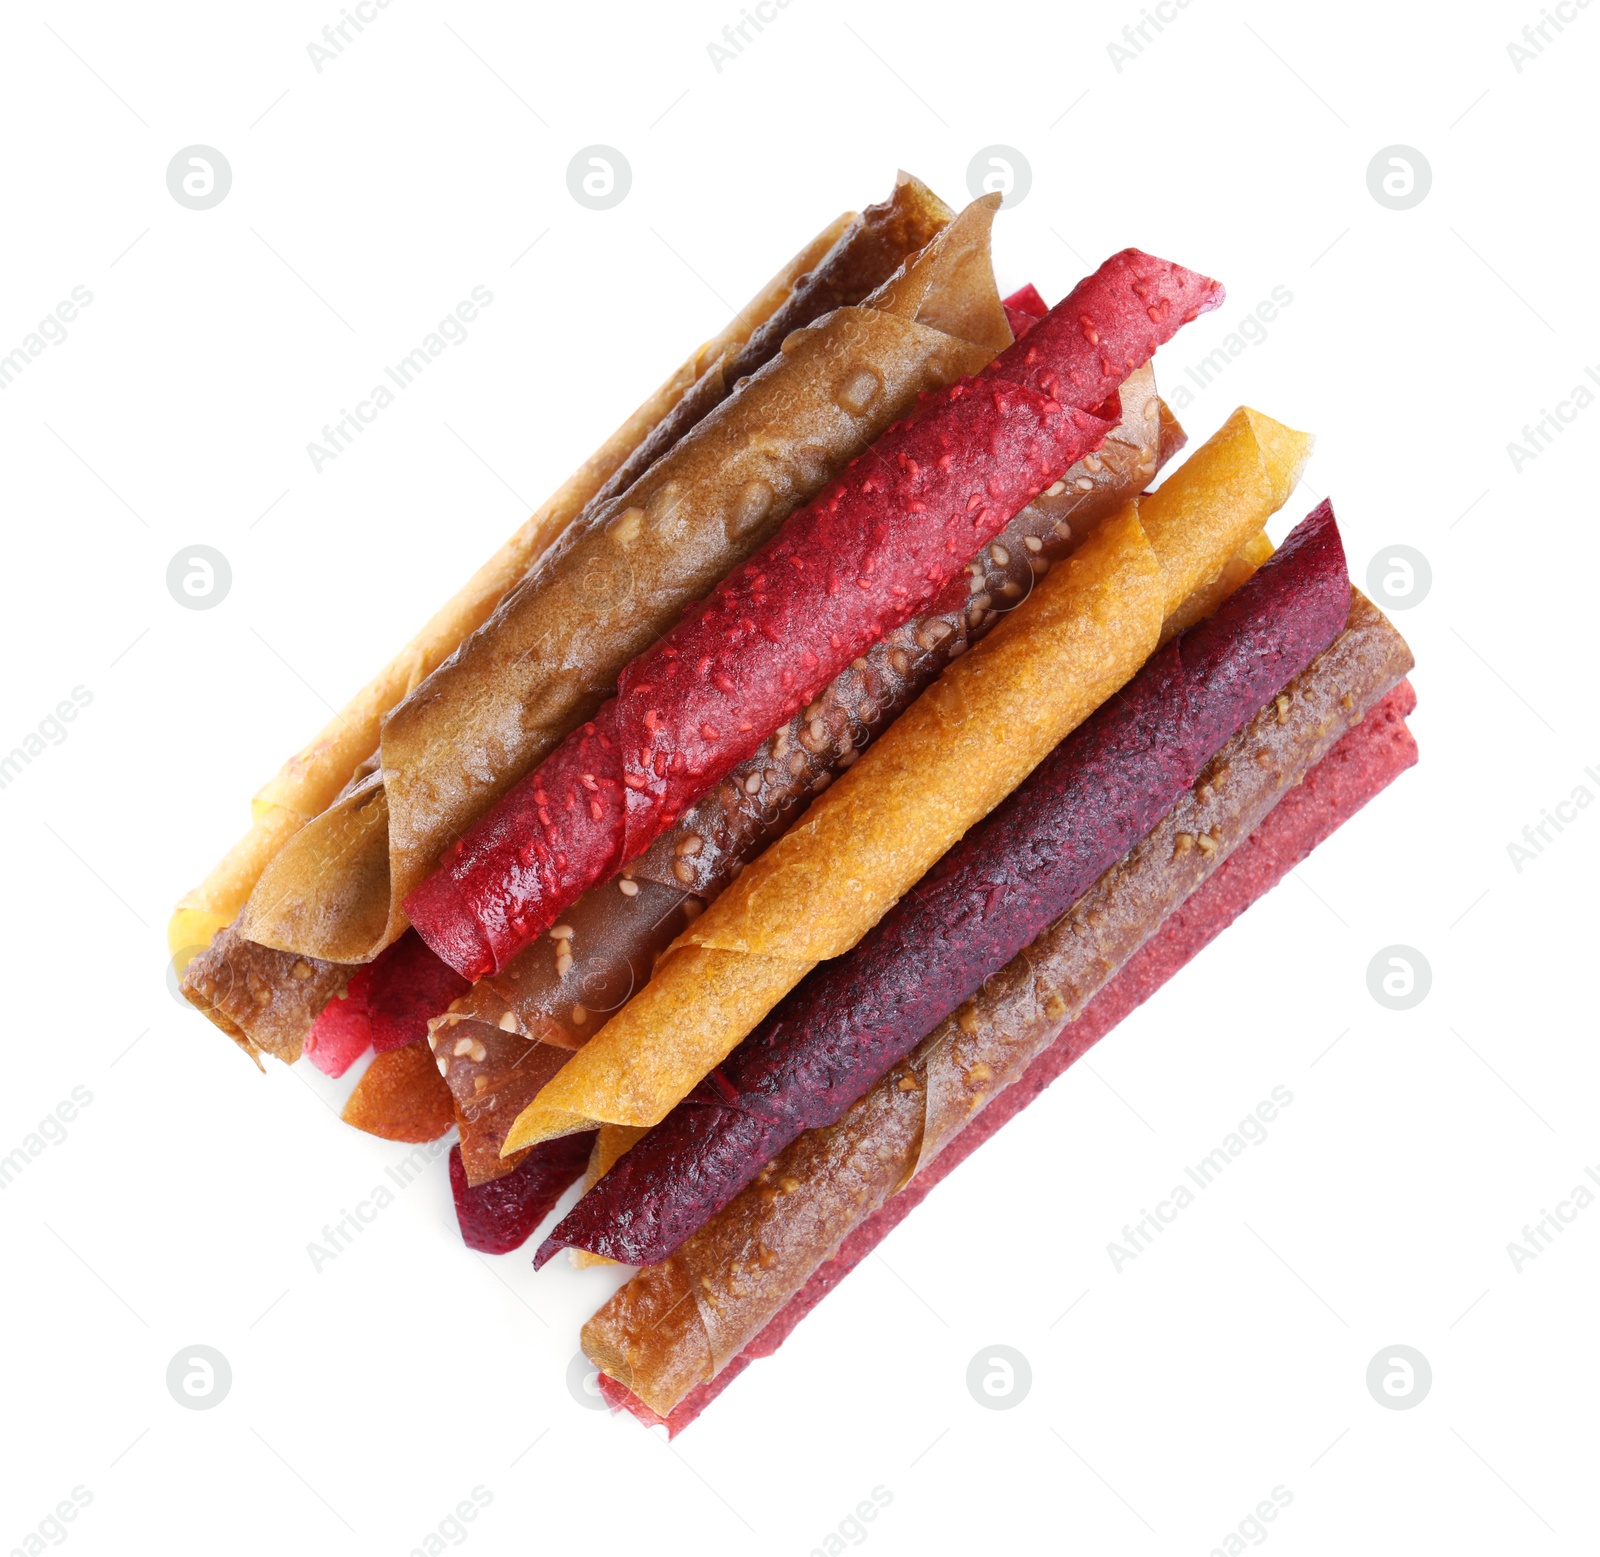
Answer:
[(878, 545), (988, 720), (1102, 789), (680, 1322), (1361, 764), (551, 649), (558, 992)]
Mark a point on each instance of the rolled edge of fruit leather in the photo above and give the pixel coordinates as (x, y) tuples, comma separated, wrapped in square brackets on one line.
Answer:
[(945, 763), (550, 653), (760, 1250)]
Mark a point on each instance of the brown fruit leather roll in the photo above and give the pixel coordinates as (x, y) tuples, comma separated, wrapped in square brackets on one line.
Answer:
[(550, 654), (561, 990), (861, 258), (742, 1267), (262, 998)]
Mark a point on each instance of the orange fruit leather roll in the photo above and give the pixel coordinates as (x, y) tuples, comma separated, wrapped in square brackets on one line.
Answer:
[(677, 1324), (550, 654), (968, 741)]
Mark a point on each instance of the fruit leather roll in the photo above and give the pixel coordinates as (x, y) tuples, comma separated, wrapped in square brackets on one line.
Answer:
[(1103, 788), (992, 715), (873, 548), (749, 1260), (1364, 762), (498, 1217), (550, 654), (562, 989), (863, 256), (312, 779)]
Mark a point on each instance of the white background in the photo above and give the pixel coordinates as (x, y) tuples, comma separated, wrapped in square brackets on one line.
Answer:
[(367, 200)]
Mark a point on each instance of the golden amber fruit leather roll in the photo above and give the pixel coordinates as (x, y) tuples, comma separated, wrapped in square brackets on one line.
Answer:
[(945, 763), (310, 780), (677, 1324), (551, 652)]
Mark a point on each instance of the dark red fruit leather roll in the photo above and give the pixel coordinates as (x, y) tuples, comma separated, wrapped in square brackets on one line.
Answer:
[(391, 998), (876, 546), (1361, 765), (499, 1216), (1102, 789)]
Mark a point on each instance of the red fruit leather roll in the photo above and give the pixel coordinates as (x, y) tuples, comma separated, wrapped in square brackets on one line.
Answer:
[(1026, 301), (877, 545), (499, 1216), (1090, 341), (341, 1032), (387, 1003), (1024, 309), (1102, 789), (1365, 761)]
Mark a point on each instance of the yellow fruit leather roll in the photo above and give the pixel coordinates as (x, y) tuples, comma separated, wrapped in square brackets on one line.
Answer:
[(957, 752), (550, 654)]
